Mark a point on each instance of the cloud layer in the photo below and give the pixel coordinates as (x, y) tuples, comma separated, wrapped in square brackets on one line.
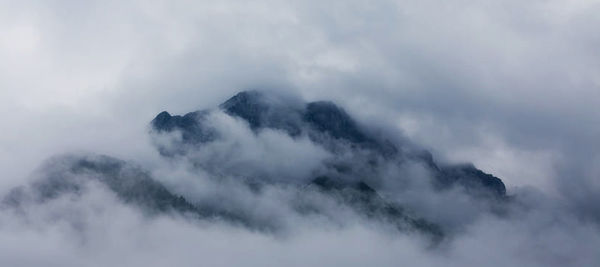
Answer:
[(510, 86)]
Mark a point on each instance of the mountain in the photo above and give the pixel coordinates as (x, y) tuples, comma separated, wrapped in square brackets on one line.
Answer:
[(72, 175), (329, 126), (353, 175), (352, 180)]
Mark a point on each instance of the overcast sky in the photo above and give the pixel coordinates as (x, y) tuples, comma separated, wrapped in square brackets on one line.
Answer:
[(512, 86)]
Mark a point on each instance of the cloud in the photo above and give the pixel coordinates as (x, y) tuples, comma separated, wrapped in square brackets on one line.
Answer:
[(98, 230), (510, 86)]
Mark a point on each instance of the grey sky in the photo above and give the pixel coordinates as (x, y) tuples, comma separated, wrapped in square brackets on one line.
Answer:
[(513, 86)]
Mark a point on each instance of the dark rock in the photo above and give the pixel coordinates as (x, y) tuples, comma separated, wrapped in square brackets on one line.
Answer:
[(328, 118), (191, 126), (261, 111), (472, 179), (248, 105), (323, 117)]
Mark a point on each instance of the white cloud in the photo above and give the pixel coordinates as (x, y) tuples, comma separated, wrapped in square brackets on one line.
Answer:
[(511, 86)]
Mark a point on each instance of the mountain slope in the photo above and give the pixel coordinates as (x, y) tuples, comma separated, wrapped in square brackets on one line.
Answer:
[(350, 171), (329, 126)]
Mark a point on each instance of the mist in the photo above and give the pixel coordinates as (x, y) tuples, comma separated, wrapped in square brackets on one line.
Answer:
[(511, 87)]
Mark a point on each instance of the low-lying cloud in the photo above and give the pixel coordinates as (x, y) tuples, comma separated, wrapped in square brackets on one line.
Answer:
[(510, 86)]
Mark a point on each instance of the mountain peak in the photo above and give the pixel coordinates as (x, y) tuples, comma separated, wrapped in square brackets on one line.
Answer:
[(315, 120), (327, 117), (248, 105), (243, 98)]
